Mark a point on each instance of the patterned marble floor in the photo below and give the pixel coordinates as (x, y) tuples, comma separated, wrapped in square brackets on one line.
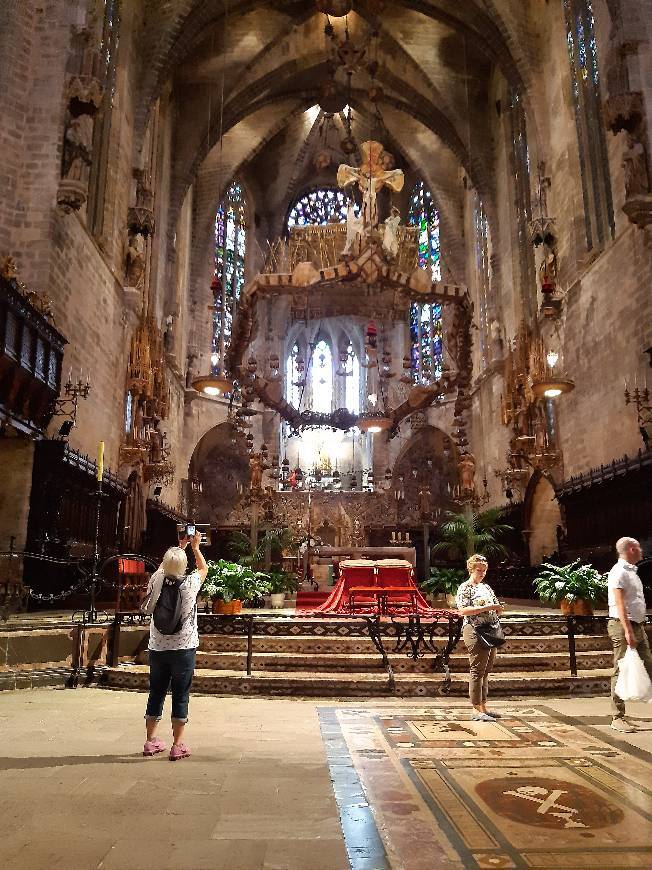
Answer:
[(427, 787)]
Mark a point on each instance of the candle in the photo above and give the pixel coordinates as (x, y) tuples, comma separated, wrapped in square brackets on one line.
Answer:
[(70, 375), (100, 461)]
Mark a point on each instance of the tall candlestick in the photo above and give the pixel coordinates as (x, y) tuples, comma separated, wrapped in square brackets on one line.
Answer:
[(100, 461)]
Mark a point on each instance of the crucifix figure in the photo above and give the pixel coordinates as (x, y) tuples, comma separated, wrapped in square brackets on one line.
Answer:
[(370, 177)]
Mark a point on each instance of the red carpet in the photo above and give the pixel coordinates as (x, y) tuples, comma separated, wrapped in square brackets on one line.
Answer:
[(309, 600)]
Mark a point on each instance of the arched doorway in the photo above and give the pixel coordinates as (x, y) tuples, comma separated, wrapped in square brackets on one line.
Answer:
[(222, 468), (542, 519)]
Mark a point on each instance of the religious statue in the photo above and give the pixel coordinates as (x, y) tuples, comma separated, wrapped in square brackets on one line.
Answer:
[(370, 178), (78, 148), (496, 339), (548, 271), (467, 471), (424, 502), (635, 168), (255, 472), (135, 260), (390, 236), (168, 335), (354, 228)]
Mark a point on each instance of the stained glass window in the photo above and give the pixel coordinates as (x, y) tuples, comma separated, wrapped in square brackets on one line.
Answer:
[(425, 320), (322, 378), (423, 214), (520, 167), (325, 205), (587, 102), (426, 339), (230, 249), (294, 376), (352, 382), (481, 226)]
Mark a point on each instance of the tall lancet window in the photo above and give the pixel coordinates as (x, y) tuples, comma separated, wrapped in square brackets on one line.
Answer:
[(352, 381), (108, 57), (585, 87), (230, 249), (322, 378), (481, 226), (425, 320)]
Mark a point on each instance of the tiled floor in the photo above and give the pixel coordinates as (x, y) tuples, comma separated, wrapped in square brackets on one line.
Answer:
[(305, 785)]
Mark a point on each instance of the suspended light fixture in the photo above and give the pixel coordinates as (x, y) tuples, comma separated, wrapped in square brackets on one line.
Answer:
[(373, 422)]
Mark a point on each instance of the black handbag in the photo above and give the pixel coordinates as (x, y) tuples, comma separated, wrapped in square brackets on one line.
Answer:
[(490, 634)]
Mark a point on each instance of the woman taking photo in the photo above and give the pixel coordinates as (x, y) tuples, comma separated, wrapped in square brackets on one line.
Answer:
[(172, 647), (477, 603)]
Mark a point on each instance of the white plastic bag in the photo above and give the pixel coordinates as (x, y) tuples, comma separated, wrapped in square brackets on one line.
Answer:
[(633, 683)]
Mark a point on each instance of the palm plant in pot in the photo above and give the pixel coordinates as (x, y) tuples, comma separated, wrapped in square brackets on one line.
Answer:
[(279, 583), (444, 582), (461, 536), (575, 587)]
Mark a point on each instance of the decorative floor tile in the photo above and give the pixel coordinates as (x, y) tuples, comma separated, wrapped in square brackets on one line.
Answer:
[(536, 789)]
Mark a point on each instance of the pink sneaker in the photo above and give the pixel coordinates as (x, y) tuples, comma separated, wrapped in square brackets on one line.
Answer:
[(153, 747), (179, 750)]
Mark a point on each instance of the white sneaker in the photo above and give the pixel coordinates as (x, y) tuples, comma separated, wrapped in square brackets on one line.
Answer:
[(622, 725)]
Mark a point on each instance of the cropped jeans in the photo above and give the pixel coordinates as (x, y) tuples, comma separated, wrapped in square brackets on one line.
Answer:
[(173, 667)]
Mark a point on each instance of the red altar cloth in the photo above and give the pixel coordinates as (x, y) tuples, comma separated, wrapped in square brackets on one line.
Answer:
[(364, 572)]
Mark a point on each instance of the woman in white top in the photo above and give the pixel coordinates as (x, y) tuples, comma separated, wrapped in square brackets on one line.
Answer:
[(172, 656), (478, 605)]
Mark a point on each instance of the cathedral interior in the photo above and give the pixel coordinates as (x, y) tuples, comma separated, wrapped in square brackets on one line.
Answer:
[(338, 270)]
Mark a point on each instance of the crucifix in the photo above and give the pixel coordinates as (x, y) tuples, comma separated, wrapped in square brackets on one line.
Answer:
[(370, 176)]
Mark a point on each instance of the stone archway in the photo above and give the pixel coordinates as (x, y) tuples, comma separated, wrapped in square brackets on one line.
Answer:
[(543, 519), (223, 471)]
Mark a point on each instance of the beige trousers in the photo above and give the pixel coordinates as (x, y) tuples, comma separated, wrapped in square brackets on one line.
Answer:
[(617, 636), (481, 660)]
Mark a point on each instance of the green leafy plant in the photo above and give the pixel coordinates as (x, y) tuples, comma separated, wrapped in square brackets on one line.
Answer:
[(443, 581), (230, 581), (282, 581), (461, 536), (274, 542), (573, 582)]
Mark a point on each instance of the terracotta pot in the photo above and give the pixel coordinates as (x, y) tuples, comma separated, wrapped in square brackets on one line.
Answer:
[(236, 606), (218, 605), (580, 607)]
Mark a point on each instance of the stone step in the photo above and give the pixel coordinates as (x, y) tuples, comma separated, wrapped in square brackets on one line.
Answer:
[(371, 661), (312, 684), (328, 644)]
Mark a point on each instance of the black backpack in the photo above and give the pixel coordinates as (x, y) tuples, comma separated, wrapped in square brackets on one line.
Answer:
[(167, 611)]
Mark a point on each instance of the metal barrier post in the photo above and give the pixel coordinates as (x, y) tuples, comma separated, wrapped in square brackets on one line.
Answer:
[(570, 628)]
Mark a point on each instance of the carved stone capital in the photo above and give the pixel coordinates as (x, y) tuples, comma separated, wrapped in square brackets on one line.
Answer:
[(141, 220), (639, 209), (623, 111), (71, 194), (84, 94), (542, 229)]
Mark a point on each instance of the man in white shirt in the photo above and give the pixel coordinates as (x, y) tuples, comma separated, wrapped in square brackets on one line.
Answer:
[(627, 618)]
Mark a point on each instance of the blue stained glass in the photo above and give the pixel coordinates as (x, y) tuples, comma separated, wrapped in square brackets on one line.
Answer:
[(230, 249), (426, 352), (326, 205)]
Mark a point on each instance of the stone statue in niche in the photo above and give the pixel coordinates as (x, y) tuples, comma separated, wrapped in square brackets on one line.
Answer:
[(135, 260), (168, 335), (255, 472), (495, 333), (77, 152), (467, 471), (635, 168)]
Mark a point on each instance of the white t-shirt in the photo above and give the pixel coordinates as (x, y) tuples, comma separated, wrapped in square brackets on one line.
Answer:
[(625, 576), (188, 635)]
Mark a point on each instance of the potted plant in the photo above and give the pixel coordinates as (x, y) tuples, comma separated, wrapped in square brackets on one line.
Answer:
[(575, 587), (279, 583), (461, 536), (444, 582), (229, 584)]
